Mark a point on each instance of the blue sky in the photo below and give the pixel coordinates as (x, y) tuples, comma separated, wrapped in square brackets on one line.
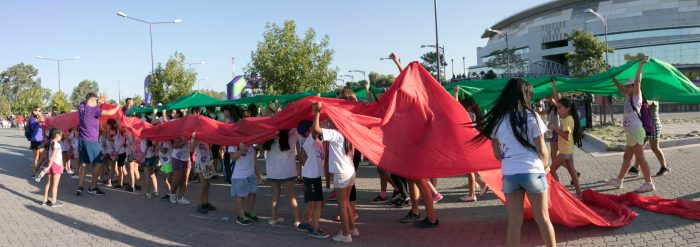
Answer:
[(114, 49)]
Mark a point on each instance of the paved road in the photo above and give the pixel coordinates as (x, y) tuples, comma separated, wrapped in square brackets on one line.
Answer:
[(121, 218)]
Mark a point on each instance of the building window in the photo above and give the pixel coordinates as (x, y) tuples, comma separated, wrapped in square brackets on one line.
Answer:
[(652, 33), (684, 53), (555, 44)]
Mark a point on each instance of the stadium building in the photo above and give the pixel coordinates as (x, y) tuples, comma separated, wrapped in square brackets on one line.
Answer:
[(665, 29)]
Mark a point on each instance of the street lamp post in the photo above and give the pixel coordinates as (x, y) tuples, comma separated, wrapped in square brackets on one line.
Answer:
[(58, 63), (437, 41), (452, 61), (150, 31), (464, 68), (364, 75), (605, 25), (190, 67), (505, 36)]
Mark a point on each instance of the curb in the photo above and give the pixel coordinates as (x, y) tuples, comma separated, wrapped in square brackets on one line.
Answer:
[(599, 144)]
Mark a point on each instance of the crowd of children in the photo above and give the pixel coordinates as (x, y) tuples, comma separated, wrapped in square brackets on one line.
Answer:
[(516, 131)]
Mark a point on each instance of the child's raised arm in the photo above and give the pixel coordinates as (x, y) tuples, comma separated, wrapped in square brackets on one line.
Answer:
[(555, 95), (619, 86), (317, 118)]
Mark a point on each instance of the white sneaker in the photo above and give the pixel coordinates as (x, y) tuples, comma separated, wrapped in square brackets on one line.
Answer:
[(614, 182), (340, 238), (275, 222), (327, 190), (355, 232), (183, 201), (646, 187), (468, 198), (173, 198)]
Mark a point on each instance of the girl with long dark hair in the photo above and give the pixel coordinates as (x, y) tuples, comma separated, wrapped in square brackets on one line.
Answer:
[(569, 133), (517, 138)]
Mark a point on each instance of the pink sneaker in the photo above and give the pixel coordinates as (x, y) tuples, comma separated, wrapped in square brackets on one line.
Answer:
[(437, 197)]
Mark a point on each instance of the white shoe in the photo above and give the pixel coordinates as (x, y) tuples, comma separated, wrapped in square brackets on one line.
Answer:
[(468, 198), (614, 182), (275, 222), (173, 198), (327, 190), (183, 201), (646, 187), (340, 238), (355, 232)]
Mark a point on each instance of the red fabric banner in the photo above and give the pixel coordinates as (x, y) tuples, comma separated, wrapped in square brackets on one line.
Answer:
[(416, 130)]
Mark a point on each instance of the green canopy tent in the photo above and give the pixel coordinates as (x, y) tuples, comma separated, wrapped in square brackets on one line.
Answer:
[(195, 99)]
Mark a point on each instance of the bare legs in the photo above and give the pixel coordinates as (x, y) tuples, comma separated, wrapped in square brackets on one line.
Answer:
[(540, 211)]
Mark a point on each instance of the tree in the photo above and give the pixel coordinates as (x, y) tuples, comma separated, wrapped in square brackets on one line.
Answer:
[(587, 57), (379, 80), (489, 75), (172, 81), (507, 60), (352, 84), (60, 101), (19, 89), (213, 93), (290, 64), (82, 89), (630, 57), (137, 100), (429, 61)]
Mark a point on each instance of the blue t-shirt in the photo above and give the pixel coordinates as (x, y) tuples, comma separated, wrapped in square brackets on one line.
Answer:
[(37, 133)]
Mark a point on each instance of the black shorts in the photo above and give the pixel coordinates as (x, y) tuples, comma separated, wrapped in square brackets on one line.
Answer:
[(121, 159), (215, 151), (313, 190), (36, 145)]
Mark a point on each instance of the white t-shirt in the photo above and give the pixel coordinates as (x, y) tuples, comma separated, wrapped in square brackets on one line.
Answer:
[(107, 145), (202, 153), (57, 149), (282, 164), (122, 143), (313, 168), (630, 119), (148, 151), (244, 164), (338, 160), (516, 158), (164, 150), (182, 153)]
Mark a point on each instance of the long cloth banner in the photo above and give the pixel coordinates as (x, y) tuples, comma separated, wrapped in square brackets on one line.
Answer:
[(416, 130)]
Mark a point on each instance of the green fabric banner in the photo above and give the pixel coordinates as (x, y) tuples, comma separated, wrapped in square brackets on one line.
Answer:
[(660, 81)]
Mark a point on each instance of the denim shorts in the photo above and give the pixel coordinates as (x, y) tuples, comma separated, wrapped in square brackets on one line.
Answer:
[(242, 187), (527, 182)]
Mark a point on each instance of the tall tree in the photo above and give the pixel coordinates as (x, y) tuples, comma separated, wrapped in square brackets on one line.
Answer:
[(508, 60), (20, 90), (60, 101), (379, 80), (213, 93), (288, 63), (172, 81), (429, 61), (137, 100), (587, 57), (630, 57), (82, 89)]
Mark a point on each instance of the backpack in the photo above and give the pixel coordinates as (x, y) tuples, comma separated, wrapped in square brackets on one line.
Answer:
[(28, 133), (645, 117)]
